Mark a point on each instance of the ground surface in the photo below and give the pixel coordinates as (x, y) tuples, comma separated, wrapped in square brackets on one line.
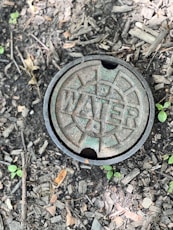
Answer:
[(48, 35)]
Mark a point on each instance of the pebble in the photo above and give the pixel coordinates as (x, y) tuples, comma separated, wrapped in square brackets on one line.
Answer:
[(146, 203), (14, 225), (96, 225)]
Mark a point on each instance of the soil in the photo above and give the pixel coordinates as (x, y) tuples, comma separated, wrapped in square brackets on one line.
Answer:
[(46, 36)]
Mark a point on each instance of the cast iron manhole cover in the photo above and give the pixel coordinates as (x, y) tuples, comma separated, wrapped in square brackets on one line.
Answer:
[(99, 110)]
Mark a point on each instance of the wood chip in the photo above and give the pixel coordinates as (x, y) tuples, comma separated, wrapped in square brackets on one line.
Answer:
[(53, 198), (60, 177), (70, 220), (51, 210), (8, 130), (122, 9), (147, 29), (43, 147), (160, 79), (7, 3), (130, 176), (133, 216), (142, 35), (69, 45), (118, 221)]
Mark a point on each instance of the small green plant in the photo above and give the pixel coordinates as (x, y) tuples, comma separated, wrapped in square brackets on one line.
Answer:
[(170, 189), (2, 50), (162, 115), (110, 172), (14, 170), (170, 160), (13, 17)]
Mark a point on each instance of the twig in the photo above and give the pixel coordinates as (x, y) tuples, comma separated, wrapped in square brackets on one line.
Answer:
[(12, 54), (24, 175), (20, 55), (157, 42), (16, 187), (164, 174), (94, 40), (4, 60), (4, 163), (153, 57), (44, 46)]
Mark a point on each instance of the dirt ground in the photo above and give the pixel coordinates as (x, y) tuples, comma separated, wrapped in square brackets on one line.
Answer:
[(45, 36)]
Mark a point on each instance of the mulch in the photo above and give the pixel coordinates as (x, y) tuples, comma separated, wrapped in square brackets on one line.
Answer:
[(48, 35)]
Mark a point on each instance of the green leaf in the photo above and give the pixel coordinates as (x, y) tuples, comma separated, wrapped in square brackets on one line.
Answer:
[(118, 175), (162, 116), (170, 161), (170, 189), (166, 105), (107, 167), (159, 106), (14, 15), (12, 168), (2, 50), (13, 174), (109, 175), (19, 172)]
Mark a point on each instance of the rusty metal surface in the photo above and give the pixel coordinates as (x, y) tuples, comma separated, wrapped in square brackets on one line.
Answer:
[(102, 109)]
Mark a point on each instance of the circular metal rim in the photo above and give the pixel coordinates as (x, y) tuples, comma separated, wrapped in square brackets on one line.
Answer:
[(72, 154)]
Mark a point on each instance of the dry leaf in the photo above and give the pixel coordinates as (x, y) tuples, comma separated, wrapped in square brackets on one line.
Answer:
[(70, 220), (53, 199), (23, 110), (51, 210), (29, 65), (69, 45), (60, 177), (33, 81)]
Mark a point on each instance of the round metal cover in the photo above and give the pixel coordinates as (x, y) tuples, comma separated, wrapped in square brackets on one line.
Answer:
[(99, 110)]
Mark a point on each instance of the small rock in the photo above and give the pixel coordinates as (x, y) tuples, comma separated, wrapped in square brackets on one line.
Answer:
[(146, 203), (96, 225), (14, 225)]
